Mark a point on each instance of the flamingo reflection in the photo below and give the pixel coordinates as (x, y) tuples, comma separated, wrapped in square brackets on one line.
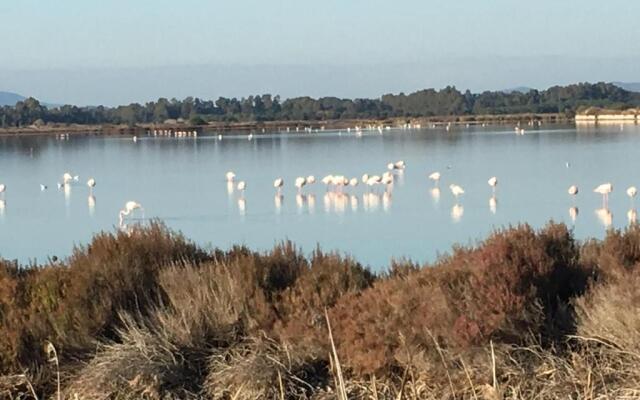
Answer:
[(493, 204), (457, 211), (605, 216), (573, 214)]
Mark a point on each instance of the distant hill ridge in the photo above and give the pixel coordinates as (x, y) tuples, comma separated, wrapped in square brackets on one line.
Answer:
[(630, 86), (10, 99)]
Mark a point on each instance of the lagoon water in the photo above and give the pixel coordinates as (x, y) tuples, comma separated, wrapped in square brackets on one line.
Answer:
[(181, 181)]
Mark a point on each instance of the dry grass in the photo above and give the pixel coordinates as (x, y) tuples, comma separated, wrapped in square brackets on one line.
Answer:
[(523, 315)]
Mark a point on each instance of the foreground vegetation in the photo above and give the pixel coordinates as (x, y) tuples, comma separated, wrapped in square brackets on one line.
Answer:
[(524, 314), (564, 100)]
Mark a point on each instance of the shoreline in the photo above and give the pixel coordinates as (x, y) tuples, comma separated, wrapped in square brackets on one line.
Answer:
[(271, 126)]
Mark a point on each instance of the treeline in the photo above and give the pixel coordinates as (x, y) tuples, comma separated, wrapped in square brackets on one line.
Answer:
[(425, 103)]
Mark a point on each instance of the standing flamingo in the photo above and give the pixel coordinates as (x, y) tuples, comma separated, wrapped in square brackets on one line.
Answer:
[(604, 190), (129, 207)]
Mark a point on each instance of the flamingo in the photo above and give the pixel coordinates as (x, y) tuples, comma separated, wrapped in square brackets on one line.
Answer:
[(230, 176), (365, 178), (300, 183), (278, 183), (493, 182), (66, 178), (604, 190), (353, 182), (327, 180), (129, 207), (435, 177), (242, 185), (456, 190), (91, 183), (573, 190), (311, 180), (631, 192), (399, 164), (3, 188), (43, 187)]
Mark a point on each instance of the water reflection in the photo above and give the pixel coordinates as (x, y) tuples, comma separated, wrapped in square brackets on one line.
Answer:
[(91, 201), (573, 214), (3, 205), (277, 201), (493, 205), (242, 206), (632, 216), (604, 216), (354, 202), (457, 211), (435, 195)]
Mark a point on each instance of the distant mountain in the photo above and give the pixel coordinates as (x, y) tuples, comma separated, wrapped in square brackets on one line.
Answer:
[(630, 86), (10, 99), (521, 89)]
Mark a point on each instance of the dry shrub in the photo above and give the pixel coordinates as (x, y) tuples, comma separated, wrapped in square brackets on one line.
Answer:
[(264, 369), (74, 303), (144, 363), (617, 254), (514, 287), (327, 279)]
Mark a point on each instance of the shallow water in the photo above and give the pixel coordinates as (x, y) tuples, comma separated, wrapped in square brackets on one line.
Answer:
[(181, 181)]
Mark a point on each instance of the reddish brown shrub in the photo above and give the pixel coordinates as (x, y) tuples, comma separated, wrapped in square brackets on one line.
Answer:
[(515, 284)]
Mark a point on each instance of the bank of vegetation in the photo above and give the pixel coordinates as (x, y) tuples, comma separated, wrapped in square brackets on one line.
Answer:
[(449, 102), (523, 314)]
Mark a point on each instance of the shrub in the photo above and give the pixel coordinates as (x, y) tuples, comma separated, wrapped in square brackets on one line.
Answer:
[(515, 284)]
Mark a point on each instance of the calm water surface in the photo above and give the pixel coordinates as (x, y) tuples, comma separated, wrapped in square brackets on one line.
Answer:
[(181, 181)]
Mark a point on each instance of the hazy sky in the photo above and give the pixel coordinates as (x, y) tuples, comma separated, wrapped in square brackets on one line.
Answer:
[(90, 52)]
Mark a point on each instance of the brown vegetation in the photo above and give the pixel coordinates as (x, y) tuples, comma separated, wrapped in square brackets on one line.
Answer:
[(524, 314)]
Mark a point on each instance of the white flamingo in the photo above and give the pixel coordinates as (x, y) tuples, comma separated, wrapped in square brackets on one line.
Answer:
[(365, 178), (43, 187), (573, 190), (493, 182), (311, 180), (66, 178), (300, 183), (91, 183), (456, 190), (327, 181), (3, 188), (604, 190), (435, 177), (632, 192), (278, 183), (129, 207), (242, 185), (230, 176)]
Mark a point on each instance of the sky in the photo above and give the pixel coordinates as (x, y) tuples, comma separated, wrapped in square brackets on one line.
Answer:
[(117, 51)]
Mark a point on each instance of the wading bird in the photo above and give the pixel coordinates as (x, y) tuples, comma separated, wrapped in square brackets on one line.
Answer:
[(604, 190), (242, 185), (299, 183), (91, 183), (435, 177), (456, 190), (573, 190), (129, 207), (3, 188), (230, 176), (278, 183), (631, 192), (493, 182)]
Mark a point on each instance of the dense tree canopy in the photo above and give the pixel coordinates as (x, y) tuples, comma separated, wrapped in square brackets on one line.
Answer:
[(425, 103)]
